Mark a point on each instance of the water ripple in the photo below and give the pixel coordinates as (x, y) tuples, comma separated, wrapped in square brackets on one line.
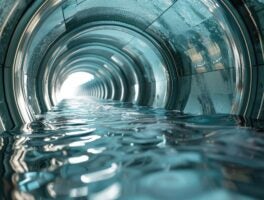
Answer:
[(90, 149)]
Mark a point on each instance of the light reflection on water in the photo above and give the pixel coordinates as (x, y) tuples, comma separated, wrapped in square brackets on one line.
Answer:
[(107, 150)]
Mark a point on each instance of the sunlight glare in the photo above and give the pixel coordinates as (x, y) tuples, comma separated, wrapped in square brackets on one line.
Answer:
[(71, 84)]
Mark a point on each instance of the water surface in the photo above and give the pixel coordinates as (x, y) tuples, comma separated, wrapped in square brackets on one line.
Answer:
[(86, 149)]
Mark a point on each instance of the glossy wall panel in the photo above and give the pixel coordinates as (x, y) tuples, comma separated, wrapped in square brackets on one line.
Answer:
[(194, 56)]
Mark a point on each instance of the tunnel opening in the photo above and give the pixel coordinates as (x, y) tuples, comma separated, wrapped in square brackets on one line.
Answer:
[(70, 86)]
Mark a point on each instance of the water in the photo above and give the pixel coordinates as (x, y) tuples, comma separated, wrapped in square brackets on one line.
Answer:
[(87, 149)]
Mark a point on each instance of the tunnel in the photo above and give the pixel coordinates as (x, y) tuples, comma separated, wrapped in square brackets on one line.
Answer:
[(195, 57), (199, 57)]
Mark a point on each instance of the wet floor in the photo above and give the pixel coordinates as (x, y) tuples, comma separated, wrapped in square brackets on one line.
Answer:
[(86, 149)]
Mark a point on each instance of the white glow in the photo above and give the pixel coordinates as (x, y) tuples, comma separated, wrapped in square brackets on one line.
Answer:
[(110, 193), (117, 60), (70, 85), (100, 175), (96, 150), (78, 159)]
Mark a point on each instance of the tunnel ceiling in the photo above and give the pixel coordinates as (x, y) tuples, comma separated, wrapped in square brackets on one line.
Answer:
[(196, 56)]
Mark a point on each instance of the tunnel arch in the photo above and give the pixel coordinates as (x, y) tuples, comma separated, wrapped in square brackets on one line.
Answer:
[(199, 57)]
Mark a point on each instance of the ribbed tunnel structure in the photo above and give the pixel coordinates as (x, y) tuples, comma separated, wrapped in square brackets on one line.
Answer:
[(196, 56)]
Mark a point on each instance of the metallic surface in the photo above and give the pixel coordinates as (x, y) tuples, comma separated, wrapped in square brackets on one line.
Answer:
[(196, 56)]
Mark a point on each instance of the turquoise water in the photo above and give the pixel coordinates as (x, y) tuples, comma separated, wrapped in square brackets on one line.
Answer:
[(86, 149)]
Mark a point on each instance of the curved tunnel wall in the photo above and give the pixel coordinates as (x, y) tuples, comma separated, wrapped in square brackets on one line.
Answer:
[(196, 56)]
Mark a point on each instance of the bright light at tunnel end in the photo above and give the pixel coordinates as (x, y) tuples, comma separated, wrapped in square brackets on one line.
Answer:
[(70, 85)]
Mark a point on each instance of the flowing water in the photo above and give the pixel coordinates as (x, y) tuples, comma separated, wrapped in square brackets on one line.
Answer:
[(86, 149)]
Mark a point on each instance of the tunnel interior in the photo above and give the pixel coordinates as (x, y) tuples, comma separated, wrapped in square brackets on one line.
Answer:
[(194, 56), (131, 99)]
